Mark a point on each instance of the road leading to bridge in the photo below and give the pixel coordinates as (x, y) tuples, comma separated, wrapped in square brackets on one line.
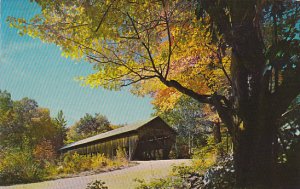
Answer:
[(118, 179)]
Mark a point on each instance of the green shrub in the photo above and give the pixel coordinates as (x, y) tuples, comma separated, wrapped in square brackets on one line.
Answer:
[(51, 170), (176, 180), (97, 184), (166, 183), (19, 167), (204, 160), (75, 163), (208, 155), (221, 175), (121, 155)]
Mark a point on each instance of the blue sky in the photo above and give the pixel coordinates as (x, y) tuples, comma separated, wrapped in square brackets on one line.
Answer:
[(31, 68)]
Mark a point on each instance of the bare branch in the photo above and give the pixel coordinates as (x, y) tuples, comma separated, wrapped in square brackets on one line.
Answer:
[(169, 39), (222, 66), (144, 44), (75, 26), (133, 25), (136, 81), (103, 17)]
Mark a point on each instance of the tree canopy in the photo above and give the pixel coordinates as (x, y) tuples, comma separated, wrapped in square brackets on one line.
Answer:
[(87, 126), (192, 122), (153, 45), (24, 124)]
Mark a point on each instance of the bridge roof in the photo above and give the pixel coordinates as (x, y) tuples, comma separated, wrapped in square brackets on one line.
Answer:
[(115, 132)]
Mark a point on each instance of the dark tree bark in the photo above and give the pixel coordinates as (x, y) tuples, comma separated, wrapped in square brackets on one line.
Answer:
[(217, 132), (253, 133), (254, 109)]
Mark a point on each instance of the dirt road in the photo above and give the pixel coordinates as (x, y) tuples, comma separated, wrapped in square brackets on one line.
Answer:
[(119, 179)]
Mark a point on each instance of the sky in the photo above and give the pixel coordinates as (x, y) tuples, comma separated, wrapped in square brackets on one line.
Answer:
[(31, 68)]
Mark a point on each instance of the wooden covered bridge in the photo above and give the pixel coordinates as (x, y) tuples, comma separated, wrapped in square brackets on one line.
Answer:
[(146, 140)]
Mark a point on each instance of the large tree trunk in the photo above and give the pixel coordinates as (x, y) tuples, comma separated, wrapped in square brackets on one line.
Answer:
[(254, 125), (253, 155), (256, 104), (217, 132), (251, 113)]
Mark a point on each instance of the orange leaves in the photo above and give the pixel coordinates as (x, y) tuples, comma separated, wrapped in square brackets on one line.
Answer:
[(44, 151), (166, 98)]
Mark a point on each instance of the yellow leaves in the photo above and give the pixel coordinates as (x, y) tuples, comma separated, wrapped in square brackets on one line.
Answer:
[(128, 42), (21, 20), (72, 52), (241, 126), (166, 99)]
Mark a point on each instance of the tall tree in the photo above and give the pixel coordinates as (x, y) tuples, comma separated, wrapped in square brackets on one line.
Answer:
[(159, 44), (10, 129), (265, 78), (191, 122), (60, 119), (87, 126), (24, 124), (40, 127), (6, 102), (60, 123)]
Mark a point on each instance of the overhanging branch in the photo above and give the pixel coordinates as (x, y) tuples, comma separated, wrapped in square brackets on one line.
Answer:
[(222, 104), (199, 97)]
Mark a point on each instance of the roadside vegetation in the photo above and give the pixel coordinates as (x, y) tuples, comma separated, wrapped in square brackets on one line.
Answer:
[(201, 171), (71, 165), (30, 139), (23, 167), (212, 163), (98, 184)]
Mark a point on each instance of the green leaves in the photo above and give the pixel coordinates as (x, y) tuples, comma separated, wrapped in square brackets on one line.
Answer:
[(24, 123), (88, 126)]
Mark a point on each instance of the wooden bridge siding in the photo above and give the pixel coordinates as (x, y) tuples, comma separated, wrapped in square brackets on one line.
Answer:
[(109, 147)]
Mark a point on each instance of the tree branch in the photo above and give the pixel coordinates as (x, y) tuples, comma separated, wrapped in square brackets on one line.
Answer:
[(144, 44), (287, 91), (222, 105), (200, 98), (222, 66), (169, 40), (103, 17), (138, 80)]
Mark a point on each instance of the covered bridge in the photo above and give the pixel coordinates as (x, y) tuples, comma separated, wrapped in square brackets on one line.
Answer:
[(150, 139)]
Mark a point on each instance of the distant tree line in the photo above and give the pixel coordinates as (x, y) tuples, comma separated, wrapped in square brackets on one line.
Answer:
[(24, 124), (30, 139)]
